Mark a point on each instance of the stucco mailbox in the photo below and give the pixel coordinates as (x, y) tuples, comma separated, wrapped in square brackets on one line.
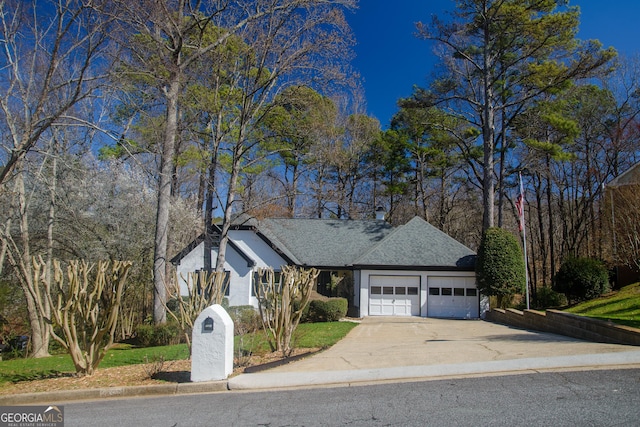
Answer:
[(212, 345)]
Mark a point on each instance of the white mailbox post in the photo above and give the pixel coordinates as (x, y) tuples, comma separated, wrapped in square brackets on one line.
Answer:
[(212, 345)]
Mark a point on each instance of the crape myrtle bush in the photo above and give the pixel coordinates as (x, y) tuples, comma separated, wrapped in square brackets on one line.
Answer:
[(582, 279)]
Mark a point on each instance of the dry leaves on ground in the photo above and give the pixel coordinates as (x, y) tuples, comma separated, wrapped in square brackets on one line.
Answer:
[(137, 375)]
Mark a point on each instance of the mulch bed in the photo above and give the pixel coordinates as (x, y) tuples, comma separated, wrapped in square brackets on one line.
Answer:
[(175, 371)]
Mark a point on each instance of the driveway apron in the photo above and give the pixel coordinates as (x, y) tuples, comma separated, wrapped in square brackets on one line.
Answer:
[(384, 342)]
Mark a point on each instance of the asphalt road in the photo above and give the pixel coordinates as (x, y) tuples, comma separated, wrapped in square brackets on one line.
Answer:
[(585, 398)]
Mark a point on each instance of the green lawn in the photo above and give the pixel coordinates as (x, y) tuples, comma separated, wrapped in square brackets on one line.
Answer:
[(15, 370), (621, 307), (308, 335)]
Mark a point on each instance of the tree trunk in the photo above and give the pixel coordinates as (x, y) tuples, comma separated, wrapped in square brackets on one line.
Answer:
[(488, 183), (442, 201), (208, 215), (502, 166), (551, 233), (228, 209), (164, 202), (543, 248), (39, 328), (293, 196), (488, 133)]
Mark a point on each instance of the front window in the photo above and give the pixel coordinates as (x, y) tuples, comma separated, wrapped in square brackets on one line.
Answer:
[(200, 286), (259, 281)]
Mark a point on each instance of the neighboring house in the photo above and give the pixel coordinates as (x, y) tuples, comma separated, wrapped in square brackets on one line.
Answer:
[(622, 205), (411, 270), (629, 177)]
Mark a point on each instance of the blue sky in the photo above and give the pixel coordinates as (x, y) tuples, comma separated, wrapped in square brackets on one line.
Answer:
[(392, 60)]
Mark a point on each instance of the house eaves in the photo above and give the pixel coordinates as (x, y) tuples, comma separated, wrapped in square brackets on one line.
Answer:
[(191, 246), (629, 177)]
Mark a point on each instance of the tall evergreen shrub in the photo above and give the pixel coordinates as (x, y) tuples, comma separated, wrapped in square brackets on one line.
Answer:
[(500, 269)]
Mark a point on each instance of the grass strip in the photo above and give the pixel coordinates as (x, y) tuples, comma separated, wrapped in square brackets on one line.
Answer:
[(621, 307)]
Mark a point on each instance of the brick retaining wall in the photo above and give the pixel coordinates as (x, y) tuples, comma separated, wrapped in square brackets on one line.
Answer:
[(568, 324)]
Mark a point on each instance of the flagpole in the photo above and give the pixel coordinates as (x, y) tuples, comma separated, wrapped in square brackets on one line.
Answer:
[(524, 240)]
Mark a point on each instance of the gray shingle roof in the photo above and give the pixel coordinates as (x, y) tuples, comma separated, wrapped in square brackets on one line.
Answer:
[(337, 243), (418, 244), (321, 242)]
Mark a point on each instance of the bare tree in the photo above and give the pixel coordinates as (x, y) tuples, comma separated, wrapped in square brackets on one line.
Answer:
[(51, 57), (51, 61), (294, 46), (172, 37), (18, 252)]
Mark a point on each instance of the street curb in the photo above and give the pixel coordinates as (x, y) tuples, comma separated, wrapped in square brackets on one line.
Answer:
[(114, 392), (262, 381), (283, 380)]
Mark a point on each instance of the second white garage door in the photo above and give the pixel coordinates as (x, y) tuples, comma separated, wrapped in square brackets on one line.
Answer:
[(453, 297), (394, 295)]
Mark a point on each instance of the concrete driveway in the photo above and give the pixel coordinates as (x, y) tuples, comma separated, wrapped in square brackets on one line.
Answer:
[(382, 342), (397, 348)]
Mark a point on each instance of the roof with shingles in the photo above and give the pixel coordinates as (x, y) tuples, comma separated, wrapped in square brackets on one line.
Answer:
[(418, 244), (337, 243), (323, 242), (332, 243)]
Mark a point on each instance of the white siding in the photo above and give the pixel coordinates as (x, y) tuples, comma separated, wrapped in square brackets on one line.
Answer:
[(257, 249), (241, 275), (234, 263)]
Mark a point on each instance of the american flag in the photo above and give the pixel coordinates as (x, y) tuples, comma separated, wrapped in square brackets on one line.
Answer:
[(520, 206)]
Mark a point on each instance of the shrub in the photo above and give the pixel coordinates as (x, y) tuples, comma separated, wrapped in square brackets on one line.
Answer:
[(245, 319), (14, 346), (547, 297), (304, 318), (330, 310), (277, 299), (167, 334), (158, 335), (500, 269), (86, 309), (144, 335), (582, 278), (153, 366)]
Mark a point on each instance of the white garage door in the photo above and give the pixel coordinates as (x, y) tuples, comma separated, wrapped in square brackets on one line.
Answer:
[(453, 297), (394, 295)]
